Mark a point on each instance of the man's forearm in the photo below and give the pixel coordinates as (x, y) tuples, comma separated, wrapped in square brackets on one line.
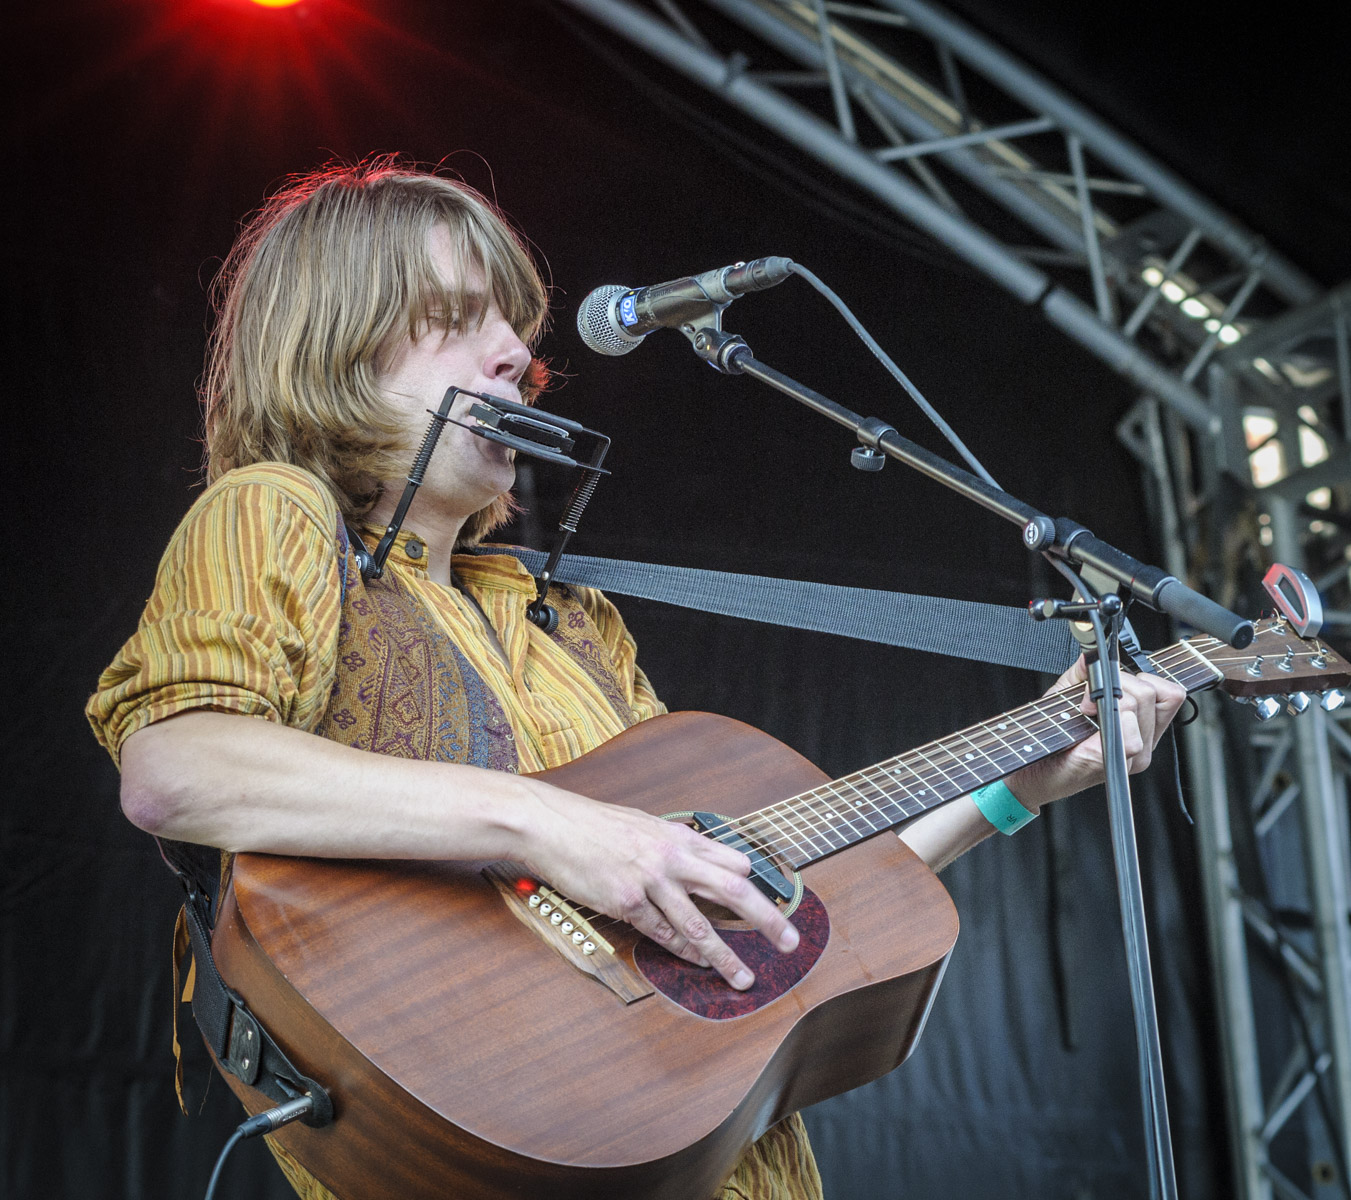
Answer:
[(947, 832), (242, 783)]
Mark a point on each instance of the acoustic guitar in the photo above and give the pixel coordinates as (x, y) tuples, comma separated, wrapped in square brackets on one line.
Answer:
[(484, 1037)]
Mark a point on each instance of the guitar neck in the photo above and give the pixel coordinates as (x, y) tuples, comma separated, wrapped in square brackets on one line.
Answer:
[(808, 827)]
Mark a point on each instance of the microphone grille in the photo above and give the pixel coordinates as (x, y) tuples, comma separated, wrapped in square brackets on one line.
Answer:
[(599, 326)]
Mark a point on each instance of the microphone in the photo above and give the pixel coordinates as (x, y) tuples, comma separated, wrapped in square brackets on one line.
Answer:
[(613, 319)]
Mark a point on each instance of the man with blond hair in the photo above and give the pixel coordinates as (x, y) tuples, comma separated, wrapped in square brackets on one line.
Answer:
[(351, 303)]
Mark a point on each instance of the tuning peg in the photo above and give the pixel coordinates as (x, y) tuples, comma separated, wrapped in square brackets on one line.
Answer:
[(1296, 703), (1266, 708), (1333, 699)]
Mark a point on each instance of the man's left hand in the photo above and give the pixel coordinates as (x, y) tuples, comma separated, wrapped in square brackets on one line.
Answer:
[(1148, 703)]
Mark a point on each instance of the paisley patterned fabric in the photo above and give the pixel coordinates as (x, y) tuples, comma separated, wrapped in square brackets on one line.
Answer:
[(579, 637), (401, 687)]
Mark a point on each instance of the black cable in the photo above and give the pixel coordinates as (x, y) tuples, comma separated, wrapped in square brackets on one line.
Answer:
[(896, 373), (235, 1139), (1177, 768), (263, 1122)]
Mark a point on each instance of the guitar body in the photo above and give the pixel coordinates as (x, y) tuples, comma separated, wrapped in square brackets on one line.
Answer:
[(467, 1059)]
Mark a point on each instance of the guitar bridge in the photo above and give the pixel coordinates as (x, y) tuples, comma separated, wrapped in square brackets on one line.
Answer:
[(556, 921)]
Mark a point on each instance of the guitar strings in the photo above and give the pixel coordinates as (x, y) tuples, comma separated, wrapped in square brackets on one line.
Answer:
[(813, 815), (811, 820), (815, 808), (936, 771)]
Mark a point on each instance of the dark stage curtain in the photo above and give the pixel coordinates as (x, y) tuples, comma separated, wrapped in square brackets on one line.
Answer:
[(143, 145)]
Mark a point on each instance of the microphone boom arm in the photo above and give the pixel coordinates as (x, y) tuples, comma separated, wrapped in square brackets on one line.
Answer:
[(1063, 539)]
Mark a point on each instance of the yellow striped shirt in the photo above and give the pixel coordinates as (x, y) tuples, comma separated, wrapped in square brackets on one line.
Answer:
[(244, 619)]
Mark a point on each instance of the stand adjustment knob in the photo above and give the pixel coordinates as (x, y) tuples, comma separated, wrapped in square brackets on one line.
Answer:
[(1038, 532)]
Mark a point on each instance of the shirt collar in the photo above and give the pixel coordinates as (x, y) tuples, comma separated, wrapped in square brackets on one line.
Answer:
[(484, 566), (494, 566), (409, 549)]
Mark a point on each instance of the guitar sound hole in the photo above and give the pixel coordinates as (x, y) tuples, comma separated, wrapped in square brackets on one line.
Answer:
[(722, 918), (705, 993)]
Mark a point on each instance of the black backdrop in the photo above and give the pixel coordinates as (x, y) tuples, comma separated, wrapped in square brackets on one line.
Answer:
[(142, 131)]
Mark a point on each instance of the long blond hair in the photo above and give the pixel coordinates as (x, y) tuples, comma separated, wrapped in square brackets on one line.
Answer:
[(324, 278)]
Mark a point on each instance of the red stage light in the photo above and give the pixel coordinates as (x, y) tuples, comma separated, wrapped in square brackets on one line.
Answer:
[(275, 3)]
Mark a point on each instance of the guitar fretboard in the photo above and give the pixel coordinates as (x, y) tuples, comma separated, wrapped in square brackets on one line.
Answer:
[(808, 827)]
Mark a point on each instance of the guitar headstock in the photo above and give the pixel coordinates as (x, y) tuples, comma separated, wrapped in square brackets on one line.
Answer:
[(1278, 663)]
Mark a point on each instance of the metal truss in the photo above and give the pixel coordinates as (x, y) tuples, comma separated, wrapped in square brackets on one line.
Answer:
[(1268, 798), (1242, 434), (1272, 485)]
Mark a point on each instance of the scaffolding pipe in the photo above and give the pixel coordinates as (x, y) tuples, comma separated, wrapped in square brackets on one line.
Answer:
[(1285, 278), (1327, 865), (788, 39), (1227, 943), (1066, 311)]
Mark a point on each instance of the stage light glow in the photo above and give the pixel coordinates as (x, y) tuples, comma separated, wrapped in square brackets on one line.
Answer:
[(268, 70), (215, 75), (1313, 449)]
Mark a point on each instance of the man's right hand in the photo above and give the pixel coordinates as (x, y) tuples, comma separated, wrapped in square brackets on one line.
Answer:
[(646, 871)]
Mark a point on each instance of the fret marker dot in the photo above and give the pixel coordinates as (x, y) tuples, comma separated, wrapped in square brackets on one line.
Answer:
[(1026, 749), (969, 757), (1002, 725)]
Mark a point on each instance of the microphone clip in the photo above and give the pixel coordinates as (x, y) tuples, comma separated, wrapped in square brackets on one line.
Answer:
[(716, 346)]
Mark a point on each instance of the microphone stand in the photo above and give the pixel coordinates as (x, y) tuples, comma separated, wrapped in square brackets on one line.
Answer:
[(1067, 545)]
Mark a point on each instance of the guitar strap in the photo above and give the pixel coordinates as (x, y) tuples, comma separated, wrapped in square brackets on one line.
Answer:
[(959, 628), (235, 1037), (985, 632)]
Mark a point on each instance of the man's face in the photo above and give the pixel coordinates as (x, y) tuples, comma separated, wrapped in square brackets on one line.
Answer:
[(466, 472)]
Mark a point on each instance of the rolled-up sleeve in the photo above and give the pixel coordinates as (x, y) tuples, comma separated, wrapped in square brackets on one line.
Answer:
[(244, 614)]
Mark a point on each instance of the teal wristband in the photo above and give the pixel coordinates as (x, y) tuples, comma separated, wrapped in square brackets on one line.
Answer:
[(1001, 807)]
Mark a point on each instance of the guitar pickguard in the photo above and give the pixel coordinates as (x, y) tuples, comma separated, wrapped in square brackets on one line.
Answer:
[(705, 993)]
